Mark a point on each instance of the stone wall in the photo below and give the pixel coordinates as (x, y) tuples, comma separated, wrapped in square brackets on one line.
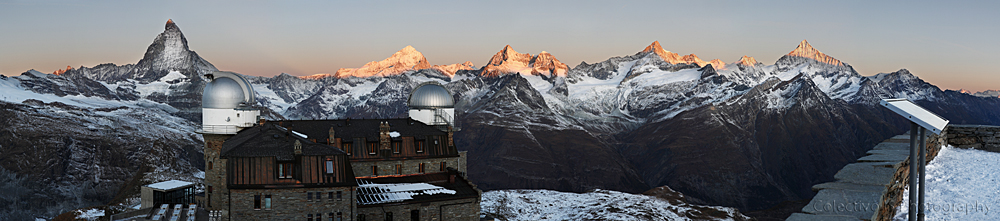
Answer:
[(215, 175), (893, 196), (410, 166), (459, 209), (293, 203), (980, 137)]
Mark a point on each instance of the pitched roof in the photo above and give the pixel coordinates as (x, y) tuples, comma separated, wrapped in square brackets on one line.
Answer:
[(271, 140), (348, 129)]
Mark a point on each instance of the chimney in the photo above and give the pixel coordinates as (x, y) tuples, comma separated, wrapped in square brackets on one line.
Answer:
[(451, 140), (298, 147), (383, 136), (329, 141)]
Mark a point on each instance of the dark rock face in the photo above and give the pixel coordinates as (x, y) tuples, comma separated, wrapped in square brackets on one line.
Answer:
[(745, 156), (507, 150), (69, 157)]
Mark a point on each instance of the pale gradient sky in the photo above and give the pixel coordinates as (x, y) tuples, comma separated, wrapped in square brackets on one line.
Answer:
[(950, 44)]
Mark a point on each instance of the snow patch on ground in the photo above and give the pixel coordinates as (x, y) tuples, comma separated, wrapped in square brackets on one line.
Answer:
[(91, 214), (264, 92), (961, 185), (595, 205)]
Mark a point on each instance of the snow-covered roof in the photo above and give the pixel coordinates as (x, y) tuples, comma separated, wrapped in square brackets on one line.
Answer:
[(375, 193), (170, 185)]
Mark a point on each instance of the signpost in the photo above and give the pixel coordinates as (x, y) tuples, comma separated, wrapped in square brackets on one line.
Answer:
[(926, 120)]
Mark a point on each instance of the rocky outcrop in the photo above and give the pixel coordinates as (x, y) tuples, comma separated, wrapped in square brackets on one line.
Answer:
[(452, 68), (60, 72), (406, 59)]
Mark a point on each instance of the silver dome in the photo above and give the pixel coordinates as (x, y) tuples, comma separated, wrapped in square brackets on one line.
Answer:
[(227, 91), (430, 95)]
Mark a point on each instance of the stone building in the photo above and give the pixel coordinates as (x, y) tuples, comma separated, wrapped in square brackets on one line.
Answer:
[(346, 169)]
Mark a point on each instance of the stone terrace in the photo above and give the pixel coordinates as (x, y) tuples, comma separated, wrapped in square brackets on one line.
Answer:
[(857, 193)]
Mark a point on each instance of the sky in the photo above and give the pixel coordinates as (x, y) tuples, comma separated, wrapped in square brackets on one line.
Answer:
[(949, 44)]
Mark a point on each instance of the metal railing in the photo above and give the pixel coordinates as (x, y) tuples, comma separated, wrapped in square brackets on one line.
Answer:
[(220, 129)]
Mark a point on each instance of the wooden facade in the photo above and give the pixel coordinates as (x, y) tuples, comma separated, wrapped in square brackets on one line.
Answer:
[(307, 171), (359, 149)]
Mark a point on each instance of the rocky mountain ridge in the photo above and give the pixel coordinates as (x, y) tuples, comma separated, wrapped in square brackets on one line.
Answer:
[(508, 60)]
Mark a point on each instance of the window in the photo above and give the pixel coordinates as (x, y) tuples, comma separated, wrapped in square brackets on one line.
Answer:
[(309, 196), (371, 148), (361, 217), (256, 202), (435, 142), (374, 170), (347, 148), (415, 215), (309, 217), (388, 216), (209, 165), (340, 195), (330, 195), (399, 169), (420, 146), (319, 217), (443, 165), (339, 216), (421, 170), (267, 202), (319, 196), (395, 147), (329, 166), (209, 188), (331, 217), (285, 170)]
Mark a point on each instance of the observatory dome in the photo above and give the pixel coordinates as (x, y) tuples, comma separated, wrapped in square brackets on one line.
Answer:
[(431, 95), (226, 91)]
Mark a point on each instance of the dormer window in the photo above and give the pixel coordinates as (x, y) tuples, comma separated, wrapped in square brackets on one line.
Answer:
[(372, 148), (329, 167), (420, 146), (347, 148), (395, 147), (284, 170)]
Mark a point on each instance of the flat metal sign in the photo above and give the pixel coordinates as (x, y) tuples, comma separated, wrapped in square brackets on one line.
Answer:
[(916, 114)]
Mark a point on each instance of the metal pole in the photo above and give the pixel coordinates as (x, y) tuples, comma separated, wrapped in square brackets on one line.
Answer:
[(912, 216), (923, 162)]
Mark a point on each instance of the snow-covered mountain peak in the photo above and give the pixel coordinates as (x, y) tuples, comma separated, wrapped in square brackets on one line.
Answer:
[(547, 64), (406, 59), (674, 58), (807, 51), (508, 61), (450, 69), (747, 61), (667, 56), (987, 93)]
